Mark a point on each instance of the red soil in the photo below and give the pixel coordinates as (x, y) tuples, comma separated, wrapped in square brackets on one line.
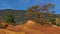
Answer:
[(31, 28)]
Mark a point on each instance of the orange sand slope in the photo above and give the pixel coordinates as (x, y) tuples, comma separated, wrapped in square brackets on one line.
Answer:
[(30, 27), (5, 31)]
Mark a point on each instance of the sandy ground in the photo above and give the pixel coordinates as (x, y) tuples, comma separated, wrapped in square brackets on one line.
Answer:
[(30, 27)]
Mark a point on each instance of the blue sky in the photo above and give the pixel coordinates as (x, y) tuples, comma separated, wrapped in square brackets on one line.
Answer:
[(24, 4)]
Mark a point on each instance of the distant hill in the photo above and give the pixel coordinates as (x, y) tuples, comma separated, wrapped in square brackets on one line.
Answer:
[(19, 14)]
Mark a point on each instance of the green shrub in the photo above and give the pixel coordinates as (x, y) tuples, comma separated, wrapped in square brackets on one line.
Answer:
[(53, 21), (10, 19), (58, 24)]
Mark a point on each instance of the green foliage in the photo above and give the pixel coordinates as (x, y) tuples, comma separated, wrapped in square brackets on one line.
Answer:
[(53, 21), (10, 18), (58, 24)]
